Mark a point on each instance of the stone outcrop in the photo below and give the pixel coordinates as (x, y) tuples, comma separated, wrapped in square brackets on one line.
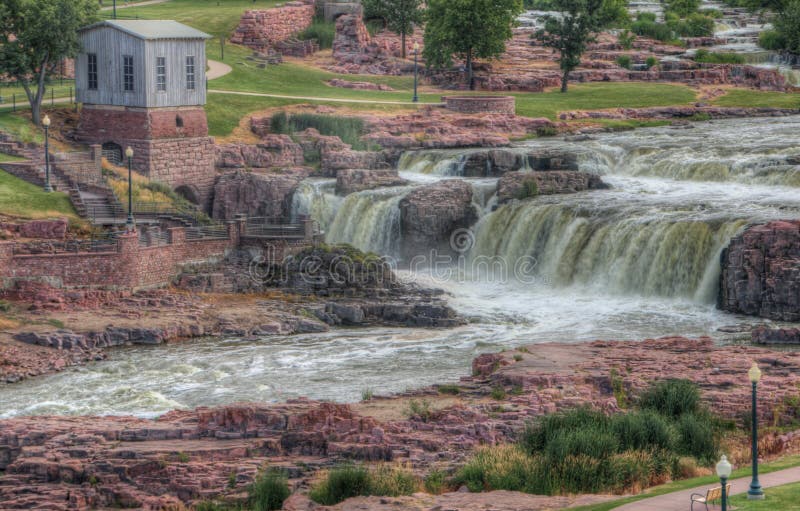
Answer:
[(356, 52), (765, 335), (351, 36), (262, 29), (273, 151), (429, 215), (517, 185), (356, 180), (256, 194), (761, 272), (496, 162)]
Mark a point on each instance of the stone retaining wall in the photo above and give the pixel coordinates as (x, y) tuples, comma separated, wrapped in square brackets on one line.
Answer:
[(480, 104), (261, 29), (129, 267)]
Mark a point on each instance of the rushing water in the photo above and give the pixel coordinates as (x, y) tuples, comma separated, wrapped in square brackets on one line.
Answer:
[(636, 261)]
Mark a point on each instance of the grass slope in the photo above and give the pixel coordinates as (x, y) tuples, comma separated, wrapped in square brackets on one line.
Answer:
[(21, 199), (785, 498)]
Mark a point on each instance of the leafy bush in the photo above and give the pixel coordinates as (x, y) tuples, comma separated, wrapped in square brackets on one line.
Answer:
[(269, 491), (502, 467), (626, 39), (696, 437), (647, 28), (340, 484), (419, 409), (683, 8), (787, 24), (651, 62), (704, 55), (671, 398), (595, 442), (498, 393), (391, 481), (321, 30), (771, 40), (546, 131), (695, 25), (624, 61), (642, 430)]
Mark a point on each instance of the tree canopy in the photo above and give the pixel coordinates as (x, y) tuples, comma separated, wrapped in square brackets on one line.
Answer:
[(573, 29), (35, 35), (400, 16), (468, 29)]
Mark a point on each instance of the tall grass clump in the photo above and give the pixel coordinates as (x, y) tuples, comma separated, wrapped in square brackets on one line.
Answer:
[(583, 450), (321, 30), (709, 57), (269, 491), (349, 129), (352, 481)]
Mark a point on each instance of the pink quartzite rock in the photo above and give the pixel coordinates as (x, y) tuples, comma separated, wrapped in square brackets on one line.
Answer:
[(272, 151), (355, 180), (761, 272), (255, 194), (41, 229), (514, 185)]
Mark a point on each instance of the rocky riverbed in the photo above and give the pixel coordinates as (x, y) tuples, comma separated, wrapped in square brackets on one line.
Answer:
[(185, 456)]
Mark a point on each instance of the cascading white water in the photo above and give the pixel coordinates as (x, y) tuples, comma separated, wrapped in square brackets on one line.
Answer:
[(369, 220), (316, 199)]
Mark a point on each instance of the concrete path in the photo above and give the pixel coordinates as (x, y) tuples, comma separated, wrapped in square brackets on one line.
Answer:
[(311, 98), (122, 5), (217, 69), (680, 500)]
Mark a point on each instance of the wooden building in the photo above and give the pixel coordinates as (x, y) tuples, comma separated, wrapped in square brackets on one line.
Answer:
[(142, 84)]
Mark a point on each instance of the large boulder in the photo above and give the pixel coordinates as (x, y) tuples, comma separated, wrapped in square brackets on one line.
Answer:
[(761, 272), (356, 180), (256, 194), (496, 162), (431, 214), (519, 185), (272, 151)]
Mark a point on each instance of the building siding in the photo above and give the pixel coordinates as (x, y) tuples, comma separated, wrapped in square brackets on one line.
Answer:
[(110, 44)]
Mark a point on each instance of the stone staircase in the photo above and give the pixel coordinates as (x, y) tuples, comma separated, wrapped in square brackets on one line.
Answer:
[(263, 59)]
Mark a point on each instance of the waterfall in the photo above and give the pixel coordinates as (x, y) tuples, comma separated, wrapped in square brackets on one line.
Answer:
[(432, 162), (316, 199), (369, 220), (623, 251)]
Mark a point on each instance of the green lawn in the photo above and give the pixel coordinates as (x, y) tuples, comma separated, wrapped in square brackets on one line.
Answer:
[(754, 98), (765, 468), (21, 199), (7, 158), (20, 127), (594, 96), (215, 17), (784, 498)]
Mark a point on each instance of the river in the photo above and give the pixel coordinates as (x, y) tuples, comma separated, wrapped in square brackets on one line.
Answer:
[(636, 261)]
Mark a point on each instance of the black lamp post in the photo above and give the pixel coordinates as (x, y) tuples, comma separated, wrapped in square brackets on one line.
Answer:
[(416, 72), (46, 126), (724, 470), (114, 15), (130, 225), (755, 492)]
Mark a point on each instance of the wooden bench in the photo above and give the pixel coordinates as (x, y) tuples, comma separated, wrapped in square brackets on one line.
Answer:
[(711, 495)]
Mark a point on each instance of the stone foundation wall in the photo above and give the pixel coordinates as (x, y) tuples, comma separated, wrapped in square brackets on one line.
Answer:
[(480, 104), (170, 145), (261, 29), (129, 267)]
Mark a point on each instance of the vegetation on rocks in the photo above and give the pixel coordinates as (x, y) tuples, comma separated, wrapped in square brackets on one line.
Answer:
[(400, 16), (709, 57), (269, 491), (348, 129), (323, 31), (349, 481), (585, 451)]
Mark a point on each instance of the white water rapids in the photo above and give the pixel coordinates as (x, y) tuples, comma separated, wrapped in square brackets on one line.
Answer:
[(637, 261)]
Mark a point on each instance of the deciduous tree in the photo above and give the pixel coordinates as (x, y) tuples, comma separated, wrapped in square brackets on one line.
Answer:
[(400, 16), (35, 35), (468, 29)]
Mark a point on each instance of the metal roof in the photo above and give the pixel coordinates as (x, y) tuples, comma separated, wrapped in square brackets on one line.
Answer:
[(152, 29)]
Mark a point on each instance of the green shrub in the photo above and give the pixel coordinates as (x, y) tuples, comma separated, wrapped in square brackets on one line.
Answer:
[(529, 189), (586, 441), (696, 437), (321, 30), (671, 398), (683, 8), (536, 436), (279, 123), (420, 409), (651, 62), (546, 131), (703, 55), (391, 481), (501, 467), (498, 393), (340, 484), (449, 388), (771, 40), (626, 39), (695, 25), (631, 470), (787, 24), (624, 61), (268, 491), (642, 431), (651, 29), (435, 482), (349, 129)]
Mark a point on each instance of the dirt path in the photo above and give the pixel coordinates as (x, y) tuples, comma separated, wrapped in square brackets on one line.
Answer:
[(217, 69)]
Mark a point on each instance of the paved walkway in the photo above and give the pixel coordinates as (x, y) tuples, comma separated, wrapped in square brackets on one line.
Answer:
[(679, 500), (217, 69), (122, 5), (311, 98)]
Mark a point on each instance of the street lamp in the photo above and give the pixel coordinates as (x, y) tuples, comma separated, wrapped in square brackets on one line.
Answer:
[(755, 492), (416, 72), (46, 125), (130, 225), (724, 472), (115, 10)]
